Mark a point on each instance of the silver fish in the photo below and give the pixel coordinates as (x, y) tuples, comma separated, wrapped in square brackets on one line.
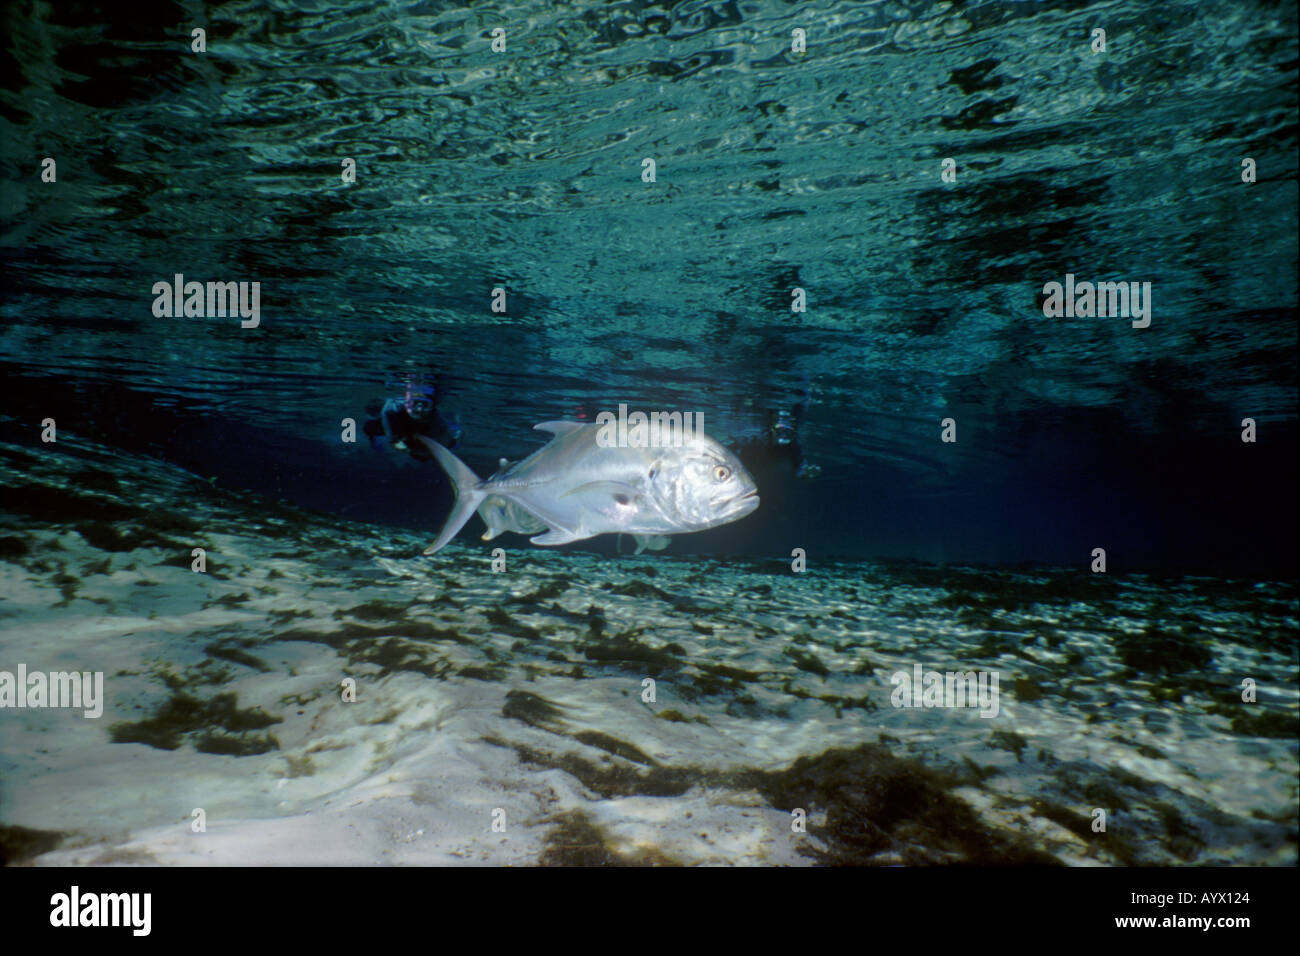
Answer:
[(501, 515), (578, 488)]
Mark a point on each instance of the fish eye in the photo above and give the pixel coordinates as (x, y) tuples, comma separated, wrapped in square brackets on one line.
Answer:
[(722, 473)]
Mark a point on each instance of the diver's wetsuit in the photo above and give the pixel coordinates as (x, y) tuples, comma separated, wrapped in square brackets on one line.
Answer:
[(397, 424)]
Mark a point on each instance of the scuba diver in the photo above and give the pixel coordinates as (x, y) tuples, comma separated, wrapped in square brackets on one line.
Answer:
[(780, 444), (401, 419)]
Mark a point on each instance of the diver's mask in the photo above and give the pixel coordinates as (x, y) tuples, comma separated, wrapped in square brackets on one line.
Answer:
[(419, 407)]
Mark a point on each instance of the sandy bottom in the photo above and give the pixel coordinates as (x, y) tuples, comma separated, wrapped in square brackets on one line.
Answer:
[(501, 718)]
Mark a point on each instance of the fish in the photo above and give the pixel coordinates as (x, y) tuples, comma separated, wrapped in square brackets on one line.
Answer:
[(501, 515), (576, 487)]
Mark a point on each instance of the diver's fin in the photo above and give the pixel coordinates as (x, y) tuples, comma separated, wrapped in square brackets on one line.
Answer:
[(464, 482), (557, 428)]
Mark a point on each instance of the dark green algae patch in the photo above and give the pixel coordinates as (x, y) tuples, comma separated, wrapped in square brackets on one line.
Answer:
[(879, 809), (402, 645), (576, 841), (20, 844), (216, 725)]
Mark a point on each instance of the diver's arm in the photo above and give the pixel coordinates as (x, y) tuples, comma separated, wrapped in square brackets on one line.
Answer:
[(385, 417)]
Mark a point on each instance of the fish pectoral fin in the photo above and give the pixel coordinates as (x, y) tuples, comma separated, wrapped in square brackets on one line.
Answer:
[(557, 428), (620, 493), (556, 536)]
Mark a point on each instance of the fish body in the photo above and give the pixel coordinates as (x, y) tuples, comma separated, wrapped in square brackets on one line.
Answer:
[(502, 514), (577, 487)]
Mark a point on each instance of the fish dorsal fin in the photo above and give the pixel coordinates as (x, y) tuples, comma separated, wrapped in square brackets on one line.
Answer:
[(558, 429)]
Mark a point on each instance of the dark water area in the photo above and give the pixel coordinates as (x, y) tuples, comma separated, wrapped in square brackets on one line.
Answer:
[(1180, 503), (781, 176)]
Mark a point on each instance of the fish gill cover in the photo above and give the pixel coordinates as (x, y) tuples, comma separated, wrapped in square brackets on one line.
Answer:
[(993, 302)]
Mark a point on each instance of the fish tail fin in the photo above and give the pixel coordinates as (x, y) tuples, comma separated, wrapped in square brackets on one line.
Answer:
[(468, 496)]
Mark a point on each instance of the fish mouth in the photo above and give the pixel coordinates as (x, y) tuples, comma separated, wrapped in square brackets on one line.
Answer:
[(744, 504)]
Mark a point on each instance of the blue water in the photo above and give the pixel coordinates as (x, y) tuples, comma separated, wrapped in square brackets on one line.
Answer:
[(775, 170)]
